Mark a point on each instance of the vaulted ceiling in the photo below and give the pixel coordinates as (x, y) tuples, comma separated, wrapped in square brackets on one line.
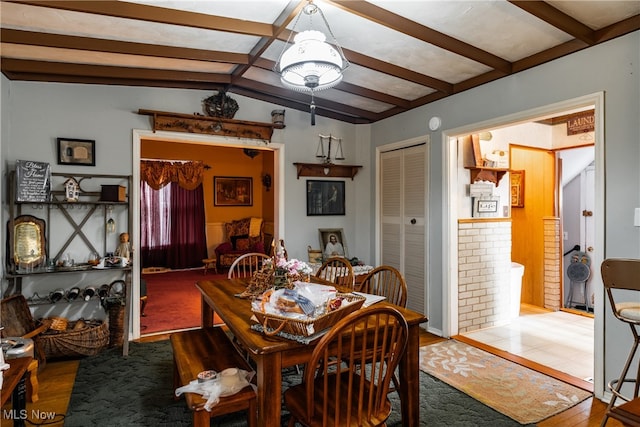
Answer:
[(402, 54)]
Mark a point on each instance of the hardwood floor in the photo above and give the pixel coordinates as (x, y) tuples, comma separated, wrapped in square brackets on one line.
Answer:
[(56, 384)]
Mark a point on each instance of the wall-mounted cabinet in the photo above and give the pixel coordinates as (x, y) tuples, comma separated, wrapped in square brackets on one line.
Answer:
[(328, 170)]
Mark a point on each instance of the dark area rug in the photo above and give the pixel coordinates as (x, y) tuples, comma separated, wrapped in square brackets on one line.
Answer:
[(138, 390)]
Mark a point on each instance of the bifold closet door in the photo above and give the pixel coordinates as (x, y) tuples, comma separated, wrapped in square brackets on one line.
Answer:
[(403, 218)]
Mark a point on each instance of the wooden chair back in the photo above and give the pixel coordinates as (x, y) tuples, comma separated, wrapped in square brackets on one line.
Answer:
[(246, 264), (622, 274), (337, 270), (335, 391), (386, 281), (18, 322)]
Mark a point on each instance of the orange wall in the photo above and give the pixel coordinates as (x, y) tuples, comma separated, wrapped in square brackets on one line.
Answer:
[(527, 244), (224, 161)]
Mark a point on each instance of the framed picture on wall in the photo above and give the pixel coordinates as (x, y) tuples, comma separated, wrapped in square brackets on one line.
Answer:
[(233, 191), (79, 152), (517, 188), (325, 198), (332, 242)]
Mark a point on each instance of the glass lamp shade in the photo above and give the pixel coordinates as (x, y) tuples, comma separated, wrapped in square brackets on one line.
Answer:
[(311, 63)]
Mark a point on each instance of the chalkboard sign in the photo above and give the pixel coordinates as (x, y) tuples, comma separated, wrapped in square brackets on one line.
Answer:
[(33, 181)]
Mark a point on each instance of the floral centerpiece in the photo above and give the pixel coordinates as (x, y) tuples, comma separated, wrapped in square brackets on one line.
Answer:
[(288, 271), (277, 272)]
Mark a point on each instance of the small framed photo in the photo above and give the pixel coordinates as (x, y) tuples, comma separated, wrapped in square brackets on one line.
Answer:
[(484, 208), (517, 188), (333, 243), (80, 152), (487, 206), (325, 198), (233, 191)]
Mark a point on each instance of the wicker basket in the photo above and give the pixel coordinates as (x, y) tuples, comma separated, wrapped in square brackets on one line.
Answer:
[(273, 324), (116, 324), (88, 341)]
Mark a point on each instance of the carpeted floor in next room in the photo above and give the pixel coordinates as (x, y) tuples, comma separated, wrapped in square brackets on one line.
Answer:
[(173, 301)]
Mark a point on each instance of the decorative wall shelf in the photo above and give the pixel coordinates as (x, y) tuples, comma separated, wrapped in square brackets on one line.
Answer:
[(332, 170), (193, 123), (486, 174)]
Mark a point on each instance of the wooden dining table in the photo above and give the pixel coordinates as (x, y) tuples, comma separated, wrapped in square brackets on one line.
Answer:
[(272, 354)]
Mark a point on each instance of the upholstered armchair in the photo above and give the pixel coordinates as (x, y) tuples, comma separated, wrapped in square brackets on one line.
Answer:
[(242, 236)]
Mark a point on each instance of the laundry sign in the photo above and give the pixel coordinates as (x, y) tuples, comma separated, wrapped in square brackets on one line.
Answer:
[(581, 122)]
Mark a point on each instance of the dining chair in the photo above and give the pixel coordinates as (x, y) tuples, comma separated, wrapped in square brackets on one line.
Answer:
[(246, 264), (334, 390), (337, 270), (620, 276), (386, 281)]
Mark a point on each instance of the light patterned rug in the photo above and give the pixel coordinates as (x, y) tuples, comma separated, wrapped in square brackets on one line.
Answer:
[(520, 393)]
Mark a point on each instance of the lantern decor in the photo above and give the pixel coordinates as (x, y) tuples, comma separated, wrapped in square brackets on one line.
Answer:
[(311, 64)]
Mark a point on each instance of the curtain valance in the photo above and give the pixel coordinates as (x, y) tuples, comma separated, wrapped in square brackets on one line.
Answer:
[(157, 174)]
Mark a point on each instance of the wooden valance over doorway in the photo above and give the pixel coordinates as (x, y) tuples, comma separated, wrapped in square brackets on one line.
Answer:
[(192, 123)]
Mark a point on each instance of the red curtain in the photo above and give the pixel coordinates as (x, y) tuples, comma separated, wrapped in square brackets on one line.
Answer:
[(172, 226)]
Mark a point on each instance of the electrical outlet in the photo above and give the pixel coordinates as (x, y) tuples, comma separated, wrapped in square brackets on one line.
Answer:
[(636, 217), (565, 235)]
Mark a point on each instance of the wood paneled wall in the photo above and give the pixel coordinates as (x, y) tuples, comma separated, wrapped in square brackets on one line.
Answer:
[(527, 223)]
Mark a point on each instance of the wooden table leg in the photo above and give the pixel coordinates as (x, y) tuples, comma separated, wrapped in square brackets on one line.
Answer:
[(269, 376), (410, 379), (207, 314)]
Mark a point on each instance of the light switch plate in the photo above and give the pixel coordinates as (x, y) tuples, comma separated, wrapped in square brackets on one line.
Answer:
[(636, 217)]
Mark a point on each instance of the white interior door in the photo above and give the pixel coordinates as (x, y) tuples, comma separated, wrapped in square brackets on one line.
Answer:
[(403, 218)]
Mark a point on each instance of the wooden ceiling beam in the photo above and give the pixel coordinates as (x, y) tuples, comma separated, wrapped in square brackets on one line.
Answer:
[(618, 29), (117, 46), (49, 69), (556, 18), (428, 35), (119, 9), (298, 106), (303, 98)]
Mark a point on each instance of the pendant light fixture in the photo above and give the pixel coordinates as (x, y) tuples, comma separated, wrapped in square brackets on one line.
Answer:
[(311, 64)]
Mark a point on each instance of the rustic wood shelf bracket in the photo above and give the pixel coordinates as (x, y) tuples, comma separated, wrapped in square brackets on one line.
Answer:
[(486, 174), (328, 170), (193, 123)]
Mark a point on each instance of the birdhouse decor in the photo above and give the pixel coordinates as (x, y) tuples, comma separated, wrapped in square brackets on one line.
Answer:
[(71, 190)]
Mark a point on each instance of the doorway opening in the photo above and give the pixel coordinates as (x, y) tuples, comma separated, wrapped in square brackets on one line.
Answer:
[(183, 141), (455, 210)]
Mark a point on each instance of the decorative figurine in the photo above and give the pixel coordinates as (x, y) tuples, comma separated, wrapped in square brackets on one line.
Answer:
[(124, 248), (71, 190)]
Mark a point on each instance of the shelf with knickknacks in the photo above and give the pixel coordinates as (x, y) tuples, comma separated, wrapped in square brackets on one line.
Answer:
[(329, 149), (71, 206)]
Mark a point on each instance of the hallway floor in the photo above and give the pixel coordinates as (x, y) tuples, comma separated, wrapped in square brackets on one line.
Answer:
[(559, 340)]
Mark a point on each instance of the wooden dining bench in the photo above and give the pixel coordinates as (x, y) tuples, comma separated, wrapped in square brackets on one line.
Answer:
[(210, 349)]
